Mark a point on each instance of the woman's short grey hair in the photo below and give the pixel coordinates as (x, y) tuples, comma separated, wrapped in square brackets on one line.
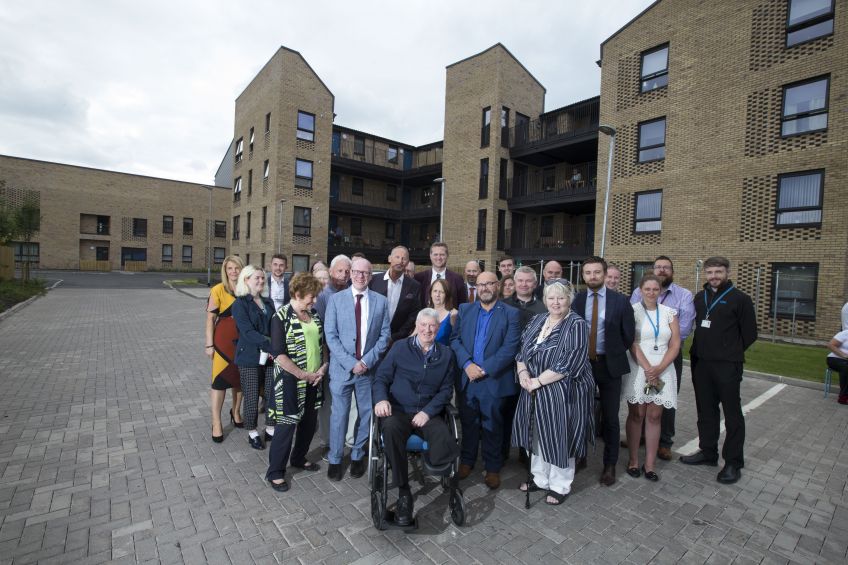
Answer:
[(560, 286), (427, 313), (241, 286)]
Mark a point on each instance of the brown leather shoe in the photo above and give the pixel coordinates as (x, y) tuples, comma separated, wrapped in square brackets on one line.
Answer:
[(608, 476), (492, 480), (464, 471), (664, 453)]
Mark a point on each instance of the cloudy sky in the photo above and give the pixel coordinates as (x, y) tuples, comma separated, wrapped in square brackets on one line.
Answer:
[(149, 87)]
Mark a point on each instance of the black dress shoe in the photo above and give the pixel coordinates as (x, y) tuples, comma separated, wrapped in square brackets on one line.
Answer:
[(335, 472), (403, 513), (698, 459), (279, 487), (255, 442), (608, 476), (729, 474), (650, 475), (357, 468)]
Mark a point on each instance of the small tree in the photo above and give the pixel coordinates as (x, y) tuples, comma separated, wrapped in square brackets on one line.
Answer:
[(8, 224), (27, 224)]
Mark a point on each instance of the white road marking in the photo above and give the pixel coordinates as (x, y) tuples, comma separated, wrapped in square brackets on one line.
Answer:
[(692, 446)]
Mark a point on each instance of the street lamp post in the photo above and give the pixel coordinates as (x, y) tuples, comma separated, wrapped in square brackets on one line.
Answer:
[(209, 240), (610, 131), (442, 209)]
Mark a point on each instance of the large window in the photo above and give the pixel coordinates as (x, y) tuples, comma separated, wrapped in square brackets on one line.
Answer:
[(218, 255), (139, 227), (358, 187), (220, 228), (799, 199), (167, 224), (187, 253), (481, 230), (305, 126), (237, 189), (188, 226), (648, 212), (239, 149), (302, 221), (486, 127), (652, 140), (808, 20), (236, 222), (303, 173), (484, 178), (793, 290), (504, 126), (654, 68), (167, 253), (805, 107)]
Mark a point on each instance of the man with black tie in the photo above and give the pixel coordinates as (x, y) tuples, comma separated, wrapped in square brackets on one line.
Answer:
[(439, 270), (612, 329), (402, 292)]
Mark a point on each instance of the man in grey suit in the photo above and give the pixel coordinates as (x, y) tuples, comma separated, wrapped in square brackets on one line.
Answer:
[(356, 326)]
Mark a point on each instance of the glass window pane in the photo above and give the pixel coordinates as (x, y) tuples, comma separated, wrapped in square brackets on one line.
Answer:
[(655, 62), (818, 30), (651, 154), (305, 121), (652, 133), (656, 82), (800, 191), (802, 10), (649, 205), (304, 169), (649, 226), (805, 98), (810, 123), (802, 217)]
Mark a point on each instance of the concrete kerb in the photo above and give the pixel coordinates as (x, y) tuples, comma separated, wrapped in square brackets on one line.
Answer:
[(187, 291), (27, 302)]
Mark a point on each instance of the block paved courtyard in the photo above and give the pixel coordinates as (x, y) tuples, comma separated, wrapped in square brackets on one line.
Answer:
[(105, 456)]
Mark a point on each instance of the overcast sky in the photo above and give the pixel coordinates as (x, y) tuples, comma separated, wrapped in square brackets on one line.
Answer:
[(149, 86)]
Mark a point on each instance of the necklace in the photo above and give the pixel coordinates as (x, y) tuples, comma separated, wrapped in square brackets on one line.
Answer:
[(549, 327)]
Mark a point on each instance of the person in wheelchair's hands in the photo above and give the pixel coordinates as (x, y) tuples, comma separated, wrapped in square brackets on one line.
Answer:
[(413, 384)]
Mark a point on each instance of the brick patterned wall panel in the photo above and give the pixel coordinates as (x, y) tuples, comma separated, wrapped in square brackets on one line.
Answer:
[(762, 131), (625, 164), (759, 201), (301, 239), (621, 224), (127, 231), (305, 145), (16, 197), (303, 192), (768, 38), (628, 86)]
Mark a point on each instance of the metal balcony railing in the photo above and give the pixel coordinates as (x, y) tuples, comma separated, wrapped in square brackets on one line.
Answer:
[(551, 237), (539, 185), (565, 123), (365, 150)]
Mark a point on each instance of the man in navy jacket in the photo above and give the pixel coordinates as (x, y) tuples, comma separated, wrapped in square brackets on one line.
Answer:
[(412, 386)]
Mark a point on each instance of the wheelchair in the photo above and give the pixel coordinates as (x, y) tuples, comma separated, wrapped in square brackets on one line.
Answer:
[(379, 469)]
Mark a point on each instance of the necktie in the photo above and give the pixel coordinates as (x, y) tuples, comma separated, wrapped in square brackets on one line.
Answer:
[(470, 294), (593, 330), (438, 276), (358, 313)]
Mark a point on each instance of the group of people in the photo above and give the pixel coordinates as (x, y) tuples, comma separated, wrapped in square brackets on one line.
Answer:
[(523, 363)]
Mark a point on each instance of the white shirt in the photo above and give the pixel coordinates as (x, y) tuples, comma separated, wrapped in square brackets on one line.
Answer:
[(841, 337), (845, 316), (393, 292), (363, 305), (278, 292), (434, 273)]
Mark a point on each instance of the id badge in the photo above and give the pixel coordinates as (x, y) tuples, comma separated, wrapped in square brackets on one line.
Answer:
[(705, 323)]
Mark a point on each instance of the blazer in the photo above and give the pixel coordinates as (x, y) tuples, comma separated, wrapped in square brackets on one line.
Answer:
[(502, 340), (455, 280), (340, 333), (619, 329), (287, 296), (254, 327), (403, 322)]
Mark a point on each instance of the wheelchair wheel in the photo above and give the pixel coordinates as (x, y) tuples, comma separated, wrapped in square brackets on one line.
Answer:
[(378, 510), (457, 507)]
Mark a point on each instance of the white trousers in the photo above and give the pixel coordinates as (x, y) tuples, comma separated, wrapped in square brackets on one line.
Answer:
[(550, 477)]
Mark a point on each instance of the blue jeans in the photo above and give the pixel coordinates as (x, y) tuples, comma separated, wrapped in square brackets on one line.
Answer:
[(342, 387)]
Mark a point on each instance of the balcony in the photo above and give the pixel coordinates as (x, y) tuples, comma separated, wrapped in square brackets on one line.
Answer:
[(369, 203), (549, 240), (538, 189), (378, 159), (566, 134)]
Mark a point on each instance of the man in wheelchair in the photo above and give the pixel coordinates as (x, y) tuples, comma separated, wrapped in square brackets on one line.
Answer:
[(412, 387)]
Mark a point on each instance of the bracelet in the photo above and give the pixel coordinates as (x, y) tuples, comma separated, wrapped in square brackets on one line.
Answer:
[(523, 371)]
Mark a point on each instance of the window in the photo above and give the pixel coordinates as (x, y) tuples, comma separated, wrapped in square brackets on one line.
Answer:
[(549, 178), (808, 20), (266, 170), (805, 107), (237, 189), (793, 290), (167, 253), (486, 127), (356, 226), (358, 188), (358, 145), (300, 263), (547, 226), (26, 252), (220, 228), (390, 230), (639, 270), (392, 154), (268, 122), (302, 221), (250, 182), (103, 225), (652, 140), (264, 218), (484, 178), (303, 173), (391, 193), (187, 252), (305, 126), (252, 138), (236, 221), (481, 230), (247, 227), (654, 68), (218, 254), (239, 149), (427, 195), (648, 215), (504, 127), (262, 260), (503, 180), (247, 259), (799, 199), (139, 227), (501, 229), (133, 254), (188, 226), (167, 224)]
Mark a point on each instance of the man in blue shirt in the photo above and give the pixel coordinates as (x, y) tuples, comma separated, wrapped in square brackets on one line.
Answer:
[(485, 341)]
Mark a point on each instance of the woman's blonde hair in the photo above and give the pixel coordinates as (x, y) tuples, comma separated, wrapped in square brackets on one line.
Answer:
[(241, 286), (224, 279)]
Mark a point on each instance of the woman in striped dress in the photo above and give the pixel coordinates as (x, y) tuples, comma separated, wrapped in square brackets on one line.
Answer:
[(553, 362)]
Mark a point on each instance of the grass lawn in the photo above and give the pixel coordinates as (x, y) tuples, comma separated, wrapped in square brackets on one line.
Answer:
[(798, 361), (12, 292)]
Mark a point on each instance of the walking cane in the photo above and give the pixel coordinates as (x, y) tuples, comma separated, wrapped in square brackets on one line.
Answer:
[(530, 449)]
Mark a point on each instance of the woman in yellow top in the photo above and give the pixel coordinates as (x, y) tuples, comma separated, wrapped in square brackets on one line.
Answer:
[(221, 338)]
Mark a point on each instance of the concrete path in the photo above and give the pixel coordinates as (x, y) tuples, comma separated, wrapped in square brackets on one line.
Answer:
[(105, 456)]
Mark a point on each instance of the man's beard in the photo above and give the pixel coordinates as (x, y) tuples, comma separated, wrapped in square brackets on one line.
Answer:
[(595, 286), (489, 300), (667, 280)]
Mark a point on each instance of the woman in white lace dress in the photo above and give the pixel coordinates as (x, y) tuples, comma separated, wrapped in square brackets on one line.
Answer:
[(651, 384)]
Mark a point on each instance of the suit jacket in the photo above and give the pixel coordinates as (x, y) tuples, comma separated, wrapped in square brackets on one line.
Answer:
[(403, 322), (454, 280), (286, 297), (340, 333), (254, 328), (619, 329), (502, 339)]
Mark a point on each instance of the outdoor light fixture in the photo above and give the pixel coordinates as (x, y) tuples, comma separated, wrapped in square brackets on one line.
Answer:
[(610, 131), (442, 210)]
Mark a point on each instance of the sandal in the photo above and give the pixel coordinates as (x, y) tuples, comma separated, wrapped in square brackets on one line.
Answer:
[(308, 466), (560, 498), (532, 486), (634, 472)]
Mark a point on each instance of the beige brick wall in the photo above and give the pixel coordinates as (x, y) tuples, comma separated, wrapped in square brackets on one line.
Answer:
[(727, 65)]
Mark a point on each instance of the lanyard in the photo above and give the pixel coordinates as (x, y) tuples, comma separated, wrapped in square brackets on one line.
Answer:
[(655, 327), (715, 302), (664, 296)]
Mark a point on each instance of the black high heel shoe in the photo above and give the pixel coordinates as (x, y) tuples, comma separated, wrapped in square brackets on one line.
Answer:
[(233, 420), (217, 439)]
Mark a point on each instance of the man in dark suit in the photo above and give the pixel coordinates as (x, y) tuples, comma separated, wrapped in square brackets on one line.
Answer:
[(439, 270), (485, 341), (402, 293), (612, 330)]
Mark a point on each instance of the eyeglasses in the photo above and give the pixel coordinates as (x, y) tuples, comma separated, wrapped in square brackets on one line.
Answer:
[(481, 286), (361, 273), (662, 268)]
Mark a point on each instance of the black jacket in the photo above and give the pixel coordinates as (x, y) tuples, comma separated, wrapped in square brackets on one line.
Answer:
[(403, 322), (254, 328), (526, 310), (619, 329), (733, 326)]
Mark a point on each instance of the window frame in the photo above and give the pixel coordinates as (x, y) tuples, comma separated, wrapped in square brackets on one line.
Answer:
[(247, 226), (500, 238), (251, 138), (250, 182), (168, 258), (546, 225), (236, 228), (778, 210), (190, 254), (167, 225), (359, 141), (266, 169), (808, 23), (239, 149), (302, 133), (503, 179), (634, 265), (639, 147), (237, 189), (775, 267), (482, 218), (304, 229), (220, 228), (389, 158), (189, 222), (504, 126), (792, 117), (268, 122), (653, 76), (264, 217), (483, 189), (486, 127), (301, 181), (139, 227), (637, 220), (216, 258)]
